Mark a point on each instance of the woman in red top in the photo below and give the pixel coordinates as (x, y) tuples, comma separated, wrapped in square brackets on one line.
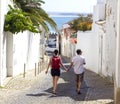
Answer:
[(55, 63)]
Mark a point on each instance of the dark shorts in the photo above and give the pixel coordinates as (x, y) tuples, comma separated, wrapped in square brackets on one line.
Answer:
[(55, 72), (79, 77)]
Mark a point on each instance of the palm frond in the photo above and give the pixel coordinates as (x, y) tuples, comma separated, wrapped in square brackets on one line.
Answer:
[(33, 7)]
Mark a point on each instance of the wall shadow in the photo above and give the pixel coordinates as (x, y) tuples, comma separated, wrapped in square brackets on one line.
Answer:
[(93, 88)]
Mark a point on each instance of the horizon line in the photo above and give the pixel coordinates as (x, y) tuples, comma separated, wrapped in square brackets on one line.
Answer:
[(66, 13)]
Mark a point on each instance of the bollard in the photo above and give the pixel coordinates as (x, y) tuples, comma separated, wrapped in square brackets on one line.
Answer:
[(35, 69), (38, 67), (24, 70)]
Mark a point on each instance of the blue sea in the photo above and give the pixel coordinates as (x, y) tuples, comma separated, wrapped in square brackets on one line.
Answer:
[(62, 19)]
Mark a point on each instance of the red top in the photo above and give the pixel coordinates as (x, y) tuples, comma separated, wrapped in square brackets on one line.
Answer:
[(55, 62)]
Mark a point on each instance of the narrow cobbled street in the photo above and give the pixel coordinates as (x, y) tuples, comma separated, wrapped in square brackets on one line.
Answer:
[(38, 90)]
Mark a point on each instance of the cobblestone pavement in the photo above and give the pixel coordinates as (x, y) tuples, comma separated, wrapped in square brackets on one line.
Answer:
[(38, 90)]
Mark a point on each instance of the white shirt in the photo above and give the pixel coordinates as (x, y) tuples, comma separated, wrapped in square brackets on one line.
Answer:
[(78, 62)]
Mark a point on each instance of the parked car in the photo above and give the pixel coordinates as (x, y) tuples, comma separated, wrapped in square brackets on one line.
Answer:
[(52, 41), (50, 48)]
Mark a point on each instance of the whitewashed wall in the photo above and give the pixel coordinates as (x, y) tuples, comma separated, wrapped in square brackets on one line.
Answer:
[(99, 15), (99, 12), (117, 72), (34, 50), (67, 49), (26, 50), (16, 49), (106, 33), (65, 46), (22, 48), (9, 54), (88, 42), (111, 34), (3, 11)]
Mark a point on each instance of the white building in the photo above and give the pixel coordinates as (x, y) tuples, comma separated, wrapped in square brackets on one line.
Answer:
[(106, 32), (67, 47), (101, 46), (107, 29), (16, 49)]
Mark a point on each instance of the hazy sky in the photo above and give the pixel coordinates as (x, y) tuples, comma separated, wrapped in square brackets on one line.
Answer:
[(79, 6)]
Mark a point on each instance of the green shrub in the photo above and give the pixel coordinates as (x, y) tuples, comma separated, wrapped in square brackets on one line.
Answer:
[(16, 21)]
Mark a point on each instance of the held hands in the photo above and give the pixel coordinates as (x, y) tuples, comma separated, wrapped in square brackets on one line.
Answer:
[(66, 69)]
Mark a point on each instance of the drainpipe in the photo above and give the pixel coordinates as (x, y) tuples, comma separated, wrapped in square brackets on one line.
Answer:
[(117, 70)]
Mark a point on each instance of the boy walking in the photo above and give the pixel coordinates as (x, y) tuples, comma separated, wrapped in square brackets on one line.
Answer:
[(78, 62)]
